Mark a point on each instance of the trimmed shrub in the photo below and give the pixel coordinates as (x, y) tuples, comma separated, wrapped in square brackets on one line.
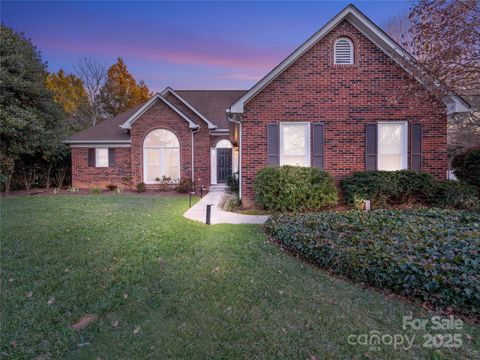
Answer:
[(163, 183), (431, 254), (127, 182), (388, 187), (466, 166), (185, 185), (450, 193), (141, 187), (111, 187), (96, 190), (232, 183), (294, 188)]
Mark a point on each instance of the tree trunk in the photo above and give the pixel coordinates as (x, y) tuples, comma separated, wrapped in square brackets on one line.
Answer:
[(8, 182), (47, 179)]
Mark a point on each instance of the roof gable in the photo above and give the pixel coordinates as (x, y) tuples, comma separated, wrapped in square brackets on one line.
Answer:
[(157, 97), (212, 104), (351, 14), (182, 100)]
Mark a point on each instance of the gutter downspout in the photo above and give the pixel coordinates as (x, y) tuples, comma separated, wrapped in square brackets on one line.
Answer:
[(239, 122), (193, 155)]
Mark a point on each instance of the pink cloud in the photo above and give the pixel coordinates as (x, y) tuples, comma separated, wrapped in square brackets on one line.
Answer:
[(211, 55)]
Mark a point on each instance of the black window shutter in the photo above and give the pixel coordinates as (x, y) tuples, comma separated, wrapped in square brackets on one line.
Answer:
[(91, 157), (416, 135), (273, 148), (371, 147), (318, 137), (111, 157)]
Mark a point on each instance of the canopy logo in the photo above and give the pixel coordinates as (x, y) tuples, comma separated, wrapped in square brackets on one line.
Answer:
[(437, 332)]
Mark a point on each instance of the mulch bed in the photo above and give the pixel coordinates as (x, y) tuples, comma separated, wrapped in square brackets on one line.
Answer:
[(49, 192)]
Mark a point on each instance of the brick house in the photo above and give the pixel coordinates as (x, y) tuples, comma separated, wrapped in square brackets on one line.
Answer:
[(331, 104)]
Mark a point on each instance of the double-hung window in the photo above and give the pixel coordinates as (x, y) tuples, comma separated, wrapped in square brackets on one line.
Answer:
[(392, 146), (295, 143), (101, 157)]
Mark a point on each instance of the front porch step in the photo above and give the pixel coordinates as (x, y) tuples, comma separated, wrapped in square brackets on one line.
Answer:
[(218, 187)]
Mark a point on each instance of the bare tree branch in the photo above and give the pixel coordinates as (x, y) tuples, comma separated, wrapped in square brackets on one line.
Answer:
[(93, 74), (443, 36)]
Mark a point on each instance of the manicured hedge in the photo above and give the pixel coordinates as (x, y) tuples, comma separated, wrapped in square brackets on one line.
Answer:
[(404, 186), (455, 194), (388, 187), (430, 254), (466, 166), (294, 188)]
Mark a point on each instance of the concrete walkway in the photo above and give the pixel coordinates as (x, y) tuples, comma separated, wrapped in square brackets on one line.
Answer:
[(198, 211)]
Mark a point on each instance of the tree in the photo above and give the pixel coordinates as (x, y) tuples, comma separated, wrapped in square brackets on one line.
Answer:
[(120, 91), (68, 91), (29, 118), (398, 27), (92, 73), (444, 38), (445, 35)]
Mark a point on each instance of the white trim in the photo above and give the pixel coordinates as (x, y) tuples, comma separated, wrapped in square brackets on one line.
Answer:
[(96, 157), (351, 52), (307, 140), (362, 23), (213, 166), (96, 141), (404, 143), (162, 161), (222, 133), (102, 145), (220, 141), (184, 102), (213, 160), (127, 124)]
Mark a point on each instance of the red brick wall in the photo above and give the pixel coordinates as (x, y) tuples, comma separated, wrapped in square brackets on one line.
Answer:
[(344, 98), (160, 116), (130, 160), (84, 176)]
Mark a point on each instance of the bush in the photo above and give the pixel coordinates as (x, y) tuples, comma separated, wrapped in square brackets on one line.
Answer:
[(231, 202), (388, 187), (141, 187), (111, 187), (429, 254), (127, 182), (232, 183), (450, 193), (163, 183), (185, 185), (96, 190), (294, 188), (466, 166)]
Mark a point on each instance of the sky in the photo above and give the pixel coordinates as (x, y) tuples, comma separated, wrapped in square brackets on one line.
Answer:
[(185, 45)]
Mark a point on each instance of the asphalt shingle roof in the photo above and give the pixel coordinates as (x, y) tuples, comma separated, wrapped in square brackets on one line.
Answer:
[(108, 129), (210, 103)]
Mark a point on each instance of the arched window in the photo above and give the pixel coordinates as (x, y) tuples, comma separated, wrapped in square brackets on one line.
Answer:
[(161, 156), (343, 51), (223, 144)]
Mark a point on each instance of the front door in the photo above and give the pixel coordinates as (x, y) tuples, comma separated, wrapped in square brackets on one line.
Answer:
[(224, 164)]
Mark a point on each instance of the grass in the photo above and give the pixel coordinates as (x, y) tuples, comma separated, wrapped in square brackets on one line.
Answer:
[(162, 286)]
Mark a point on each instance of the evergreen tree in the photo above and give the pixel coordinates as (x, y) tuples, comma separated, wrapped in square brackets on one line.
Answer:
[(30, 120)]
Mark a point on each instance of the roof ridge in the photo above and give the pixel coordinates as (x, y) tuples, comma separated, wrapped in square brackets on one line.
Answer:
[(210, 90)]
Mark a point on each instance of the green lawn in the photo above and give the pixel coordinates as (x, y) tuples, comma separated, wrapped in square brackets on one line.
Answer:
[(162, 286)]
